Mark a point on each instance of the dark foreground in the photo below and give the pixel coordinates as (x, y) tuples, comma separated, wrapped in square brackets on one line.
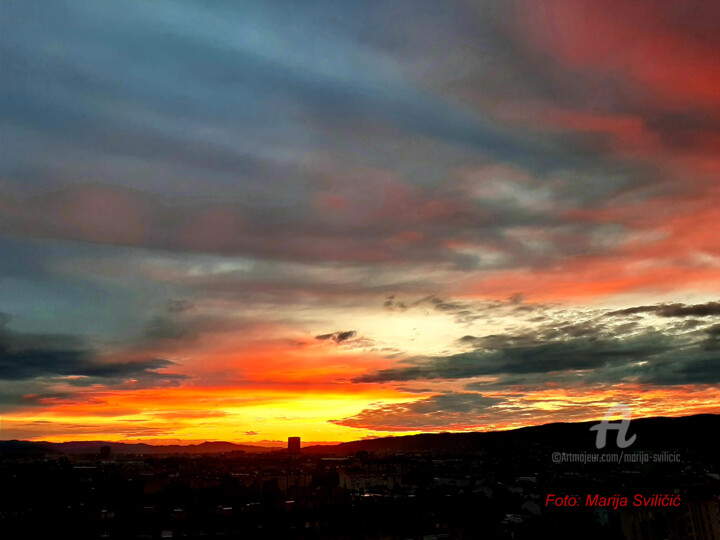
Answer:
[(499, 489)]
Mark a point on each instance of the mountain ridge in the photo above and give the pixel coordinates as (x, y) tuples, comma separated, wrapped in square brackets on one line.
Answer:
[(652, 432)]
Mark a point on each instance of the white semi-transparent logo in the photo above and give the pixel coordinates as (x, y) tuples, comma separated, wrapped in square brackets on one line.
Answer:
[(621, 427)]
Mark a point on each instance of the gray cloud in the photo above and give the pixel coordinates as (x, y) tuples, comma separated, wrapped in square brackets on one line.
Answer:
[(445, 411), (525, 355), (360, 128), (467, 313), (571, 353), (43, 357), (709, 309), (337, 337)]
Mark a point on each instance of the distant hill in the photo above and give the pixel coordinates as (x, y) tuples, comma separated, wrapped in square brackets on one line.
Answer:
[(27, 447), (662, 433), (93, 447), (652, 433)]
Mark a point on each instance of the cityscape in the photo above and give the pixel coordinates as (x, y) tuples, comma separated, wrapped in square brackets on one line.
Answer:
[(387, 270), (495, 485)]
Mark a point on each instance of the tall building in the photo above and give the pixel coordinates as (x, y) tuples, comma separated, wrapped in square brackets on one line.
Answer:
[(293, 445)]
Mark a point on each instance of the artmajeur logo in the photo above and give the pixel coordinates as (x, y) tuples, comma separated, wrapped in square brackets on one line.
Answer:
[(621, 427), (622, 442)]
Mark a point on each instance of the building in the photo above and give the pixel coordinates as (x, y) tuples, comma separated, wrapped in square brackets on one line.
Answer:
[(293, 445)]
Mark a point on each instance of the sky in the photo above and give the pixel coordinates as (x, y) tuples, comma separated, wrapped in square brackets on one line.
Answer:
[(245, 221)]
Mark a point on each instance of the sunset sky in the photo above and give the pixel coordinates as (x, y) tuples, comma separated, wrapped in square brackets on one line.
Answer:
[(245, 221)]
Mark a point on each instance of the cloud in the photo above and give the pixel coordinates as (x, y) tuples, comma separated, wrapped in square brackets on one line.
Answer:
[(441, 412), (337, 337), (427, 169), (571, 351), (40, 429), (709, 309), (392, 305), (47, 357), (525, 354), (401, 159), (467, 312)]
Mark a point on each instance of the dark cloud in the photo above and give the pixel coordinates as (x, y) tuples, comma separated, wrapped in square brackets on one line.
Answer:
[(392, 305), (559, 330), (702, 371), (467, 312), (525, 355), (709, 309), (463, 313), (344, 336), (712, 341), (414, 390), (47, 356), (337, 337), (445, 411), (585, 352)]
